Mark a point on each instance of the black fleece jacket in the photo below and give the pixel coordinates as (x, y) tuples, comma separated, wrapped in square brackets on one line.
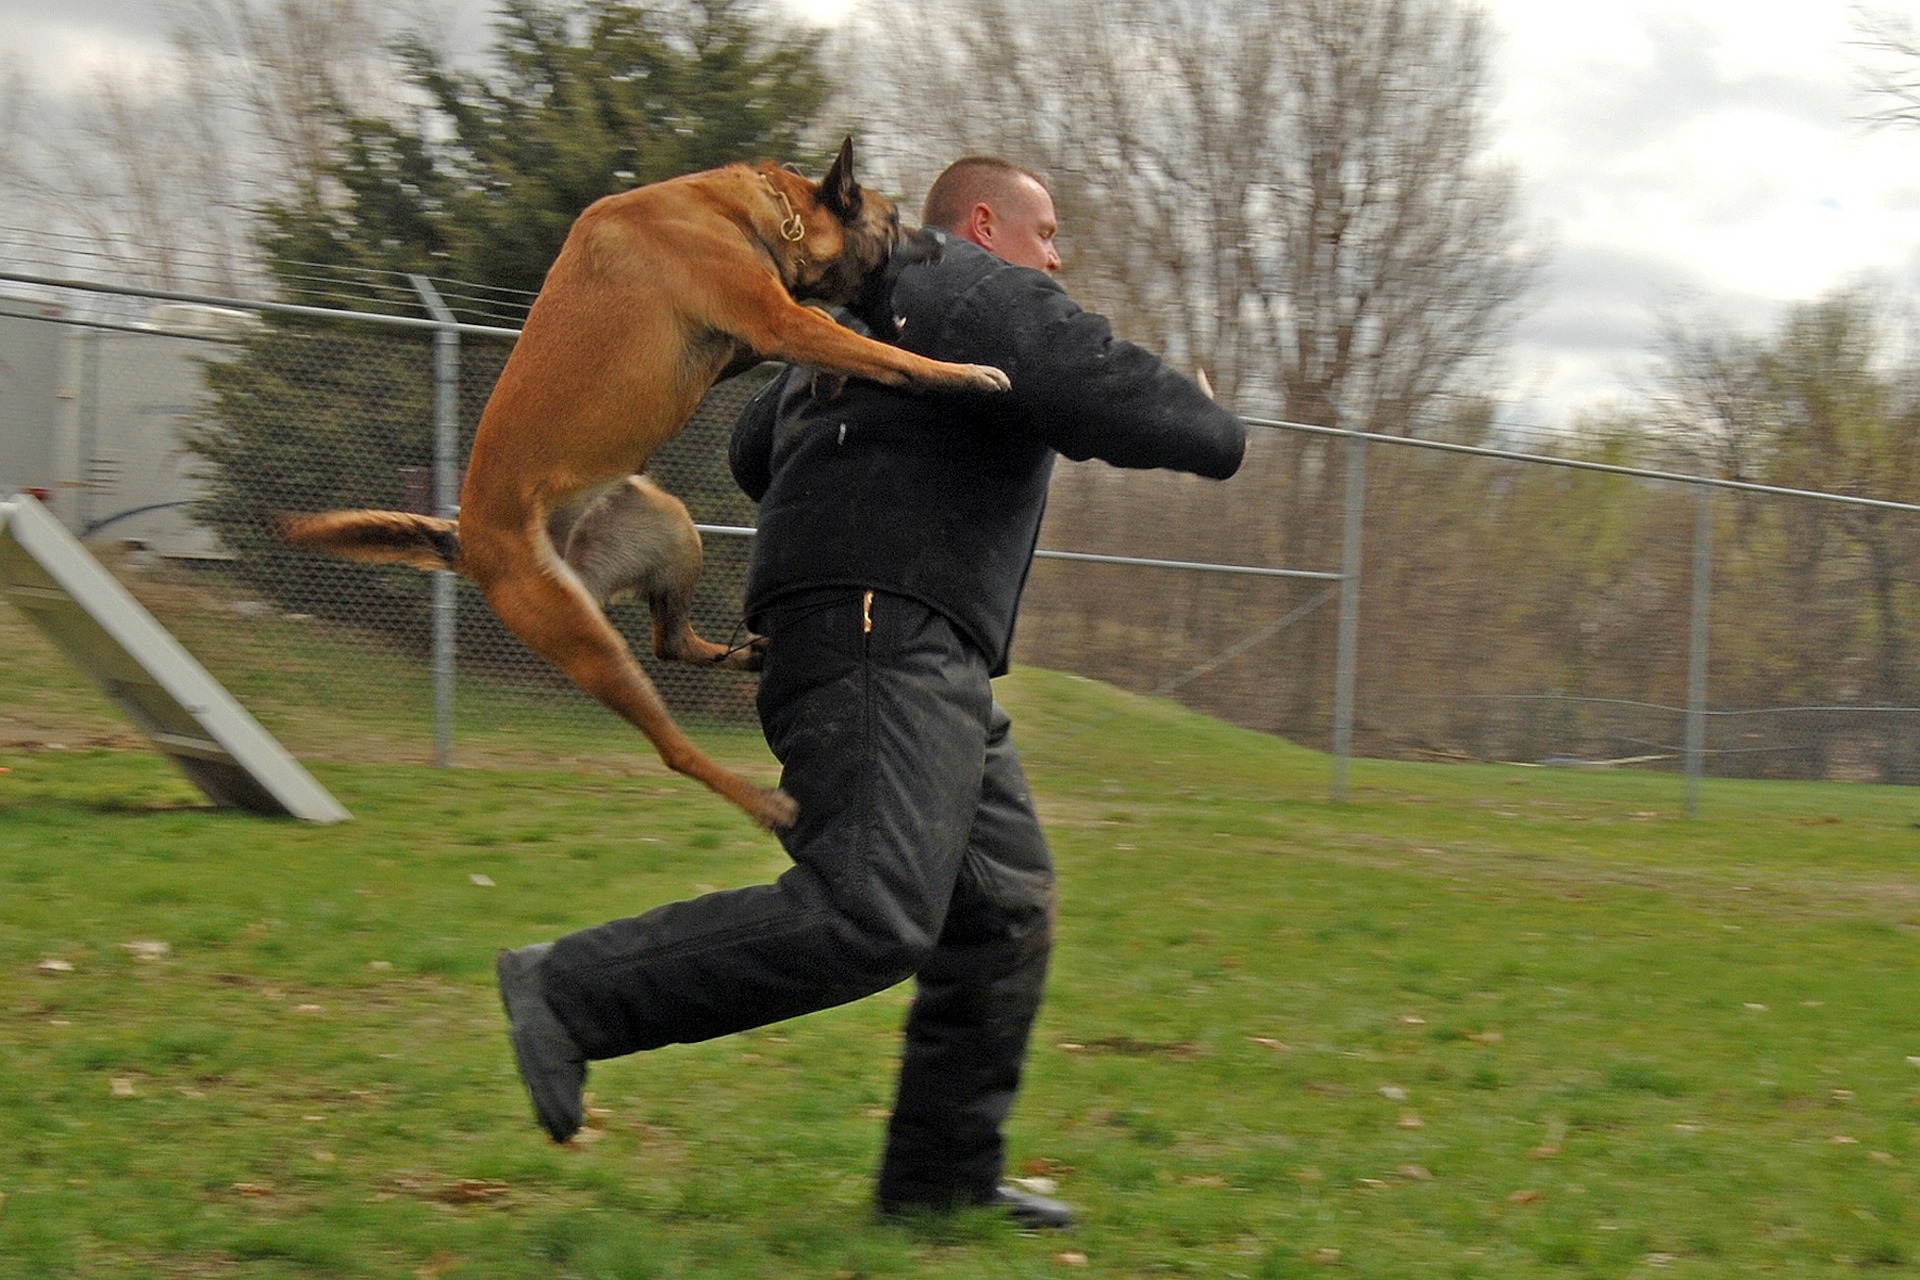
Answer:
[(938, 496)]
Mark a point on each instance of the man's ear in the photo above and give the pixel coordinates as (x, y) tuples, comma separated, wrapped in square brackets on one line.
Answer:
[(839, 193), (979, 226)]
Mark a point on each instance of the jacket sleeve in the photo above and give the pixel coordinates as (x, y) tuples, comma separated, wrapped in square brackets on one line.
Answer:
[(1085, 392), (750, 448)]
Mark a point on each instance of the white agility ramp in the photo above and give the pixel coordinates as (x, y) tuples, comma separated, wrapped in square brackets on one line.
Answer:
[(49, 576)]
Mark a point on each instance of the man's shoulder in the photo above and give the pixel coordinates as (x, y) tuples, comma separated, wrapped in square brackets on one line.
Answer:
[(964, 266), (976, 291)]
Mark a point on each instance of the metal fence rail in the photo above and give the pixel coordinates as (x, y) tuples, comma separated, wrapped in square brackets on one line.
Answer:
[(348, 408)]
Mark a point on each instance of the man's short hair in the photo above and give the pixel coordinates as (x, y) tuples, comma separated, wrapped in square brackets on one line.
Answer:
[(969, 181)]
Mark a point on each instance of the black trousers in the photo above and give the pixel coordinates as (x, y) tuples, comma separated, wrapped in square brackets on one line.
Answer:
[(917, 854)]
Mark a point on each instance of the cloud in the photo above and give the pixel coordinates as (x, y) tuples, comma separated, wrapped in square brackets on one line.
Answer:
[(1696, 152), (63, 45)]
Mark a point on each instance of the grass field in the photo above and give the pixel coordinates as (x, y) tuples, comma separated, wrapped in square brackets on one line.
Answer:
[(1481, 1022)]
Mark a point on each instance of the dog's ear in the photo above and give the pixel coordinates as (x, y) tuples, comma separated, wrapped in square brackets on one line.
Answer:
[(839, 193)]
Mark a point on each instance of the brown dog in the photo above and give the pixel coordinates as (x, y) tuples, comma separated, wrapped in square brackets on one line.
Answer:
[(656, 293)]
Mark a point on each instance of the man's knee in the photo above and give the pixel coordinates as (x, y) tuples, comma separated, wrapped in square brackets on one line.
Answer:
[(886, 950)]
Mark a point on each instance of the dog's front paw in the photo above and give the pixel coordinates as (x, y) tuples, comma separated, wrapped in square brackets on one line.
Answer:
[(751, 656), (775, 810), (983, 377)]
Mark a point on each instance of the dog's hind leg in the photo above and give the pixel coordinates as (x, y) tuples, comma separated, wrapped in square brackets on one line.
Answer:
[(544, 603), (639, 539)]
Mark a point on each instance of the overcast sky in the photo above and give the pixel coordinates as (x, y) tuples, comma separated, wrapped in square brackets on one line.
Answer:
[(1678, 156)]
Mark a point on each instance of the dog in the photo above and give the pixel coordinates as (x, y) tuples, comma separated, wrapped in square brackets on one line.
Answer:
[(657, 293)]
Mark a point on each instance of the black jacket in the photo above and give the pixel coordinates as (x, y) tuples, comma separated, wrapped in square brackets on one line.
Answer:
[(938, 496)]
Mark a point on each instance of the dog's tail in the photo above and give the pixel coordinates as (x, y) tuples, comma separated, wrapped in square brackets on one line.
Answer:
[(381, 537)]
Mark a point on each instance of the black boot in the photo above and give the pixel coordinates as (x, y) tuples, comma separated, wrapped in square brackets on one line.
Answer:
[(1035, 1213), (551, 1063)]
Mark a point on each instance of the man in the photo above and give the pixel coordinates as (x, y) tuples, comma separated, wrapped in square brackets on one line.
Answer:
[(896, 532)]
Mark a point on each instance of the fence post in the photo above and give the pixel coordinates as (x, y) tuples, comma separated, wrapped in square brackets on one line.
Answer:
[(1697, 649), (1347, 659), (446, 498)]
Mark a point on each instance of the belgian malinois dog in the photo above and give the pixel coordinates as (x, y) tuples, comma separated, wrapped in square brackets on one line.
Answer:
[(657, 293)]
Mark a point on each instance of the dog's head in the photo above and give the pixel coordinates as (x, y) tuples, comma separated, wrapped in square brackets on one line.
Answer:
[(837, 241)]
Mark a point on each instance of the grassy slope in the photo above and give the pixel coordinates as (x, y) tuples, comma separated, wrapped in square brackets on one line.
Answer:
[(1482, 1022)]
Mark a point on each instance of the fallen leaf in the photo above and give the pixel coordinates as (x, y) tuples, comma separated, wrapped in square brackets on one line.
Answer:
[(63, 966), (1414, 1173), (1756, 1007), (1525, 1197), (469, 1191), (1658, 1259), (147, 950), (1070, 1259), (1393, 1093), (1046, 1167), (122, 1087), (1411, 1120), (1881, 1157), (307, 1008), (1070, 1047), (1203, 1180), (485, 882), (1487, 1037), (1546, 1151), (252, 1190), (1271, 1044), (1038, 1186), (1325, 1257), (1841, 1140), (1413, 1020), (437, 1266)]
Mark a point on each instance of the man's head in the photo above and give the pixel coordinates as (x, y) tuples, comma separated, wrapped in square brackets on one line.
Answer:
[(1001, 207)]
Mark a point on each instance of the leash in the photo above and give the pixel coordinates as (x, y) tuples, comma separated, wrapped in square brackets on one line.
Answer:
[(788, 618)]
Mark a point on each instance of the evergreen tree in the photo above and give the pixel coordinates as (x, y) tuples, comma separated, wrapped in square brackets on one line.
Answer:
[(584, 98)]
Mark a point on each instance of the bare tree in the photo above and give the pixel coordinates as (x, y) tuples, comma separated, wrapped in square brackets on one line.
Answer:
[(145, 180), (292, 70), (157, 169), (1889, 66), (1297, 197), (1824, 402)]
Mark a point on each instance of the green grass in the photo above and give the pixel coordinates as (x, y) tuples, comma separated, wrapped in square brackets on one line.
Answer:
[(1480, 1022)]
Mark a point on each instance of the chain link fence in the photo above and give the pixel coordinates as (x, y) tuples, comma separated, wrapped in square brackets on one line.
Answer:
[(1510, 607)]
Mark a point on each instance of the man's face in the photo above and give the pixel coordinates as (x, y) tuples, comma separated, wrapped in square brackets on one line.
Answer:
[(1020, 227)]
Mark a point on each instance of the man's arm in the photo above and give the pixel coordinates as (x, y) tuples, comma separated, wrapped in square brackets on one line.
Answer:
[(750, 447), (1087, 393)]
